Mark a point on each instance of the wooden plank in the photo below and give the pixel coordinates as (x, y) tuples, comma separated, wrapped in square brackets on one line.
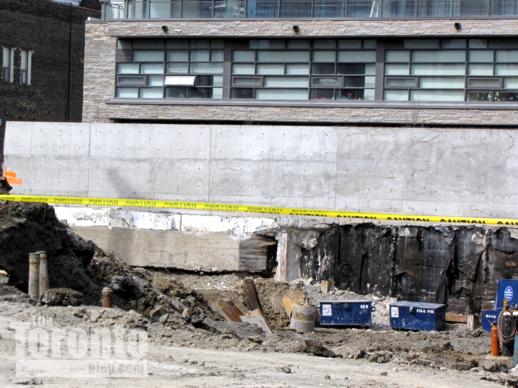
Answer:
[(456, 318), (228, 310), (253, 253), (326, 286), (471, 322), (251, 298)]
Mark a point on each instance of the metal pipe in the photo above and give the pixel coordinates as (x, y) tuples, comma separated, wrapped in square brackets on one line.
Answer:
[(4, 185), (107, 297), (44, 273), (34, 275)]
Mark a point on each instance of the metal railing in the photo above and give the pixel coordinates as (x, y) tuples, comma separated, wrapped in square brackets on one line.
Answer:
[(277, 9)]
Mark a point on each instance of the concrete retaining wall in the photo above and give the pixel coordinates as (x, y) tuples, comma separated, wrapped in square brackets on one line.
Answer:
[(456, 172)]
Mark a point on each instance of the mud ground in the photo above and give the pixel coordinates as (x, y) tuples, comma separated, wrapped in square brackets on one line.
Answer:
[(188, 356)]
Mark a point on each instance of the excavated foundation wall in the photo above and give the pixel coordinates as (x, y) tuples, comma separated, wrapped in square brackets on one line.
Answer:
[(455, 265)]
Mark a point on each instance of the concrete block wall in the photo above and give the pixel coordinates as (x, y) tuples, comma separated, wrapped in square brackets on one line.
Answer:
[(428, 171), (99, 86)]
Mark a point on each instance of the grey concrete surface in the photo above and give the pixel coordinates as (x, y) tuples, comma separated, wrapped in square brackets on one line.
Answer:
[(210, 252), (168, 239), (438, 171)]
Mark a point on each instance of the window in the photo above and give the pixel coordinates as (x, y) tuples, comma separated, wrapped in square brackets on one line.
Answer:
[(263, 9), (25, 67), (304, 70), (318, 70), (260, 69), (170, 69), (8, 64), (8, 60), (452, 70)]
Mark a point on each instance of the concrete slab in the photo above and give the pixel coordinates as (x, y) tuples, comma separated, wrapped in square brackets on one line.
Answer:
[(211, 252), (194, 242)]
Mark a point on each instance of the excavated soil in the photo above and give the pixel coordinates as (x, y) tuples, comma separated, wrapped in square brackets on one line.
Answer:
[(175, 309)]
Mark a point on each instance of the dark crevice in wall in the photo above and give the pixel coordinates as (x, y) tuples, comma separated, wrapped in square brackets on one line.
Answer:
[(306, 124)]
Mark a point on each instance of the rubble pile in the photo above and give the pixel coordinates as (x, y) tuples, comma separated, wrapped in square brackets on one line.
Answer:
[(78, 270)]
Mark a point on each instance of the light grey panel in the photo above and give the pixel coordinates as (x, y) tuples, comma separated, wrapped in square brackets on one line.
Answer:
[(369, 179), (120, 178), (304, 179), (120, 141), (50, 176), (274, 143), (171, 178), (18, 138), (60, 140), (179, 141), (242, 178)]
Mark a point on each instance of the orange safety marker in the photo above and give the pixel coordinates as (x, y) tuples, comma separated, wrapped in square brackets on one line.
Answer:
[(11, 178)]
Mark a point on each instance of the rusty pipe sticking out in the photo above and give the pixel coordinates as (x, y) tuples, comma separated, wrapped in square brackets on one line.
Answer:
[(44, 272), (2, 137), (107, 297), (4, 185), (34, 275)]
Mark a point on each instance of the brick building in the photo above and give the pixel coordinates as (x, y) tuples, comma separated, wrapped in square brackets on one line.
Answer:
[(42, 53), (433, 62)]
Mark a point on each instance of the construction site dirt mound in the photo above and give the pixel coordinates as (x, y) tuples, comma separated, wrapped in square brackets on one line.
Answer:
[(79, 265)]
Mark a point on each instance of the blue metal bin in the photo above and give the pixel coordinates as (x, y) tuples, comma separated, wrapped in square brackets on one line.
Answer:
[(350, 313), (417, 316), (507, 289)]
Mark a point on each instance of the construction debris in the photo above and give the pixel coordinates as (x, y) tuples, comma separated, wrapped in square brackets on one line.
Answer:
[(62, 297), (303, 317), (456, 318), (221, 312), (292, 298)]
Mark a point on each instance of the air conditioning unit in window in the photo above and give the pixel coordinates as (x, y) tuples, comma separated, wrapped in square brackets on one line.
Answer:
[(179, 80)]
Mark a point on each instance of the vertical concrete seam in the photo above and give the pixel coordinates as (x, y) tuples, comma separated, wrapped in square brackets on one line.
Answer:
[(210, 163), (88, 165)]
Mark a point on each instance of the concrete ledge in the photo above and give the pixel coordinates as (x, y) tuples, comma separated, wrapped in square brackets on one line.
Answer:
[(383, 114), (310, 27)]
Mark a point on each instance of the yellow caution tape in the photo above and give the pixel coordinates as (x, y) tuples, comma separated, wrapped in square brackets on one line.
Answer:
[(223, 207)]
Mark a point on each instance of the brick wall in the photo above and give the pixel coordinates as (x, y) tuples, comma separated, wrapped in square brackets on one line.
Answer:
[(55, 33)]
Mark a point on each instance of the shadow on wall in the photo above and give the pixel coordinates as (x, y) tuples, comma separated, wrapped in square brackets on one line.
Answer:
[(455, 265)]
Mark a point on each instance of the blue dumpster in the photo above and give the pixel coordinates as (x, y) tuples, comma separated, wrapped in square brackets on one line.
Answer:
[(350, 313), (417, 316)]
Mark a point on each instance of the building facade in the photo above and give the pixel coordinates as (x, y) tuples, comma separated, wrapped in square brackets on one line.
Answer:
[(391, 62), (41, 57)]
